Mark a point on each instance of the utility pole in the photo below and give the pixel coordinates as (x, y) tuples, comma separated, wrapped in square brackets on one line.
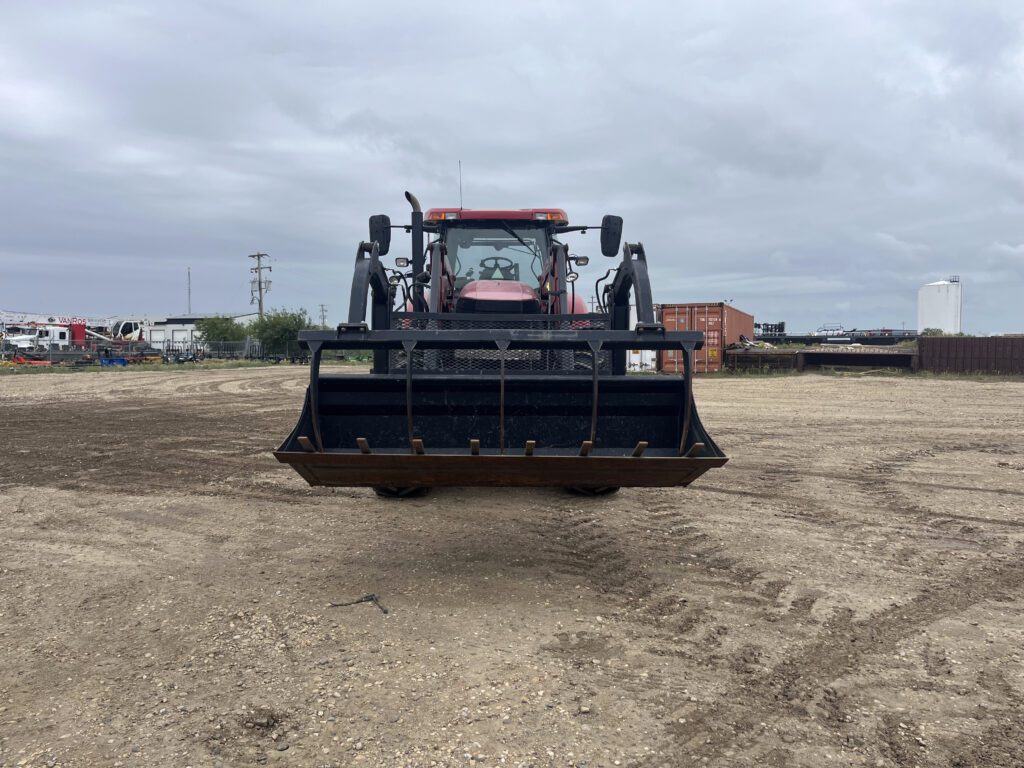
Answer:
[(323, 315), (190, 291), (258, 286)]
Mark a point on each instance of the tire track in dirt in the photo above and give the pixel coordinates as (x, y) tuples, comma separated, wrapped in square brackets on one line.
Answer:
[(622, 563), (821, 512), (700, 550), (677, 536), (1002, 743), (648, 602), (577, 544), (802, 682), (846, 642), (882, 475), (999, 746), (139, 448)]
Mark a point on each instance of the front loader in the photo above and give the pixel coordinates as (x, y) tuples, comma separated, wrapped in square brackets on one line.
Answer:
[(489, 370)]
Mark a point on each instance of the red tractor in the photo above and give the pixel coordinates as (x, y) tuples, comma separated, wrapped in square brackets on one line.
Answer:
[(489, 370)]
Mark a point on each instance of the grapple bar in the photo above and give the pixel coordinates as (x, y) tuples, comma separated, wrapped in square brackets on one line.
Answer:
[(428, 422)]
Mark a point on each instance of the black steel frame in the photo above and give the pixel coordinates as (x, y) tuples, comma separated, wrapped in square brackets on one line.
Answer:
[(502, 340)]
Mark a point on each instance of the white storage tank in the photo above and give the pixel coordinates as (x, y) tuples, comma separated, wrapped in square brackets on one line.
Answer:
[(940, 305)]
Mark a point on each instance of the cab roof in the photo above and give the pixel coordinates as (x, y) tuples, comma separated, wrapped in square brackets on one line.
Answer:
[(552, 215)]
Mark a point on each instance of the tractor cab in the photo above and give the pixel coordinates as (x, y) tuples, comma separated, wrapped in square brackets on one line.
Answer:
[(498, 260), (478, 261)]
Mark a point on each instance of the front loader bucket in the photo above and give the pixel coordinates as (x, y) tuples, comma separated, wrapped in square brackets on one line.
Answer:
[(459, 437), (434, 429)]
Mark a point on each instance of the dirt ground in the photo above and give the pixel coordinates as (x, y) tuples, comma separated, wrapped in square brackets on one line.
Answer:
[(846, 591)]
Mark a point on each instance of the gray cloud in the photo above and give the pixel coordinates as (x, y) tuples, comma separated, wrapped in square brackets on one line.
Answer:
[(812, 162)]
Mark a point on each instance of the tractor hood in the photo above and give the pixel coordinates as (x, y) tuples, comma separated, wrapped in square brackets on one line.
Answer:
[(507, 296)]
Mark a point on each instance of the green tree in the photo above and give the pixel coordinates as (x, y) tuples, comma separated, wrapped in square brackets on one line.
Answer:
[(933, 332), (280, 328), (221, 329)]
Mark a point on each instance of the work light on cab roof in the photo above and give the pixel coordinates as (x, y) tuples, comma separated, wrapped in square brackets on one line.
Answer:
[(489, 369), (552, 215)]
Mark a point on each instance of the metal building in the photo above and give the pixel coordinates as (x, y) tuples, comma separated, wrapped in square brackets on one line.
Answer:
[(174, 333), (940, 305)]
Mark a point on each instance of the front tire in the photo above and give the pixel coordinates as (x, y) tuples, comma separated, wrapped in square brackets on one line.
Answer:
[(394, 492), (606, 490)]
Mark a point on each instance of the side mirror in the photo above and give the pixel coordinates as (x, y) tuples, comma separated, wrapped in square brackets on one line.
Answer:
[(380, 232), (581, 261), (611, 235), (401, 262)]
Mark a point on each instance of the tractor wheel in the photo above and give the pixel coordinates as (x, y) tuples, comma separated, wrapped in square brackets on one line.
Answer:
[(391, 492), (590, 490)]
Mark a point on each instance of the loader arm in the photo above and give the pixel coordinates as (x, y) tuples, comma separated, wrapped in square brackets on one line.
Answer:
[(630, 277), (556, 274), (370, 278), (441, 281)]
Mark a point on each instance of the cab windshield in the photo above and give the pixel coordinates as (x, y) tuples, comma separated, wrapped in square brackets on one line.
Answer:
[(510, 251)]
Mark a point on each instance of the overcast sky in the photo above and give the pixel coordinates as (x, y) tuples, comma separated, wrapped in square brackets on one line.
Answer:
[(812, 162)]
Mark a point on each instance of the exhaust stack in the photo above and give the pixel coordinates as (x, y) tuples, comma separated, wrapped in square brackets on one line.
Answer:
[(418, 261)]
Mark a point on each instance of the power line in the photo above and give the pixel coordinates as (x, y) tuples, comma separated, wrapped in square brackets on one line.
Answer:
[(258, 285)]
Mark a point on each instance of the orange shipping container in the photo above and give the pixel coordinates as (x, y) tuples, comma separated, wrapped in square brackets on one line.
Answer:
[(722, 324)]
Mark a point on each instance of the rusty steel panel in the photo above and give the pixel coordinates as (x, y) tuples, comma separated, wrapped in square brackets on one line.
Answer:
[(722, 324), (350, 468), (761, 360), (968, 354), (841, 357)]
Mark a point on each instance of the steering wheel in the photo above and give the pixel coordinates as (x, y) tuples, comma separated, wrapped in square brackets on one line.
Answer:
[(501, 264)]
